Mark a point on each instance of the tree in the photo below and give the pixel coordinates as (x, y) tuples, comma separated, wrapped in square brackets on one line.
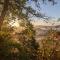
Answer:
[(16, 6), (27, 47), (22, 47), (28, 42)]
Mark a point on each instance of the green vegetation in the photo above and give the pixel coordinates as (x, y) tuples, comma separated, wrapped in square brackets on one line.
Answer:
[(50, 49), (24, 47), (21, 45)]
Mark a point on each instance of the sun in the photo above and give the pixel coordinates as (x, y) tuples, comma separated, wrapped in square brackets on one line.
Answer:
[(14, 23)]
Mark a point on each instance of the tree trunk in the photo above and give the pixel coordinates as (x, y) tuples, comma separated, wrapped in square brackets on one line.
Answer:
[(5, 8)]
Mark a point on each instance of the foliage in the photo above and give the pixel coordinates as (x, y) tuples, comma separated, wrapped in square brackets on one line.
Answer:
[(16, 6), (27, 48), (50, 49), (20, 45)]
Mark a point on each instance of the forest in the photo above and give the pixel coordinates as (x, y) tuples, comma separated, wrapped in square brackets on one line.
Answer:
[(18, 35)]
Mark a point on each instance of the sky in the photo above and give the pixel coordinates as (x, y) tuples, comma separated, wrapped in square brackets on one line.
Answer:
[(48, 9), (53, 11)]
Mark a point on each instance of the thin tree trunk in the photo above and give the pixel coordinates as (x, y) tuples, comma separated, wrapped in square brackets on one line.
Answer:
[(5, 8)]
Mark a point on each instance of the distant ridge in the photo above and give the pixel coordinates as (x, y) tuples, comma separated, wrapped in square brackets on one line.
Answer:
[(41, 30), (45, 22)]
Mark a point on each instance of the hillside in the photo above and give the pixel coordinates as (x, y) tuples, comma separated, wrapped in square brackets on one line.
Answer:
[(41, 31)]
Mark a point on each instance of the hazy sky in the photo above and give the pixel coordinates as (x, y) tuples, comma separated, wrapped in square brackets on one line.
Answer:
[(48, 9)]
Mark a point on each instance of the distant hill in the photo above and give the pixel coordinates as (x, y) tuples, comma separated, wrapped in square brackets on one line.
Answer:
[(41, 31), (45, 22)]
